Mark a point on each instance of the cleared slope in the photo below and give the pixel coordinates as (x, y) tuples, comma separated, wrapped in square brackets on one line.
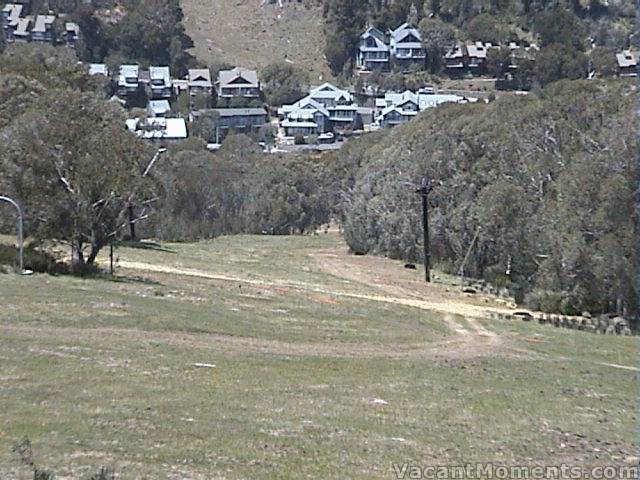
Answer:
[(249, 34), (232, 358)]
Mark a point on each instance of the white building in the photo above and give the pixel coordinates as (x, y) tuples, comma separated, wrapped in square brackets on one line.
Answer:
[(373, 51), (406, 46), (627, 63), (159, 108), (325, 109), (160, 82), (158, 128), (396, 108), (128, 80)]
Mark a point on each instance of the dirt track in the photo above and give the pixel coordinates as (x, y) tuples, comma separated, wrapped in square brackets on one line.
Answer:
[(465, 315), (438, 299), (385, 282)]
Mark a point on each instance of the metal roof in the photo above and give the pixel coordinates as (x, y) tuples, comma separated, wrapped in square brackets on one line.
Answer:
[(290, 123), (158, 128), (41, 23), (627, 59), (14, 11), (199, 77), (22, 28), (249, 77), (403, 31), (373, 32), (160, 73), (478, 49), (98, 69), (72, 27), (159, 107), (380, 45), (128, 71)]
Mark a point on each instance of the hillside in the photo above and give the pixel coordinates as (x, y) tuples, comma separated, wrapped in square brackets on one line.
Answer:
[(249, 355), (544, 183), (251, 34)]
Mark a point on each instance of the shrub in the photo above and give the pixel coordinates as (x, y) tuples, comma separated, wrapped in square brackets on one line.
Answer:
[(283, 83), (544, 300), (104, 474), (299, 139), (35, 260)]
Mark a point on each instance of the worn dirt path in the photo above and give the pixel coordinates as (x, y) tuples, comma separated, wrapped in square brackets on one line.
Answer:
[(438, 305), (470, 337), (382, 280), (388, 282)]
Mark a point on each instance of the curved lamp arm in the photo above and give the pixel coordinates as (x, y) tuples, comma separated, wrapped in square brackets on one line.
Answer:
[(20, 229)]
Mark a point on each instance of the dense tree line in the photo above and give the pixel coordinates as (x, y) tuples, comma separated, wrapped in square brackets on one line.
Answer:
[(149, 32), (67, 158), (283, 83), (561, 27), (547, 181), (237, 190)]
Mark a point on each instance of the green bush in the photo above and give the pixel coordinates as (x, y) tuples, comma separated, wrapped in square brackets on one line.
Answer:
[(544, 301), (33, 260), (496, 276)]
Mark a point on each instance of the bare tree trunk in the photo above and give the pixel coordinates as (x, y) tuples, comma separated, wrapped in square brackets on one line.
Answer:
[(619, 305), (77, 257), (95, 249)]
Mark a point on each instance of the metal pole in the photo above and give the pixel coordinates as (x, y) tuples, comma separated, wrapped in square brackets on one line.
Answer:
[(132, 226), (153, 161), (424, 190), (466, 257), (637, 205), (20, 231)]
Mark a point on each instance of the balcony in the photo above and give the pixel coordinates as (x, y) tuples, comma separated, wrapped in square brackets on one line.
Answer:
[(410, 54), (240, 92)]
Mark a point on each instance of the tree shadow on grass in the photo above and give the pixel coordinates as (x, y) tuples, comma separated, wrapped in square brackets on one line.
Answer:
[(146, 246), (129, 279)]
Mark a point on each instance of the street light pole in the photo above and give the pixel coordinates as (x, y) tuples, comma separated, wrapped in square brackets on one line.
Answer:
[(20, 231), (424, 190), (154, 160), (132, 223)]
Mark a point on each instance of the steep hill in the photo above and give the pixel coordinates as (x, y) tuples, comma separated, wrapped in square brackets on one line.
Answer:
[(253, 33)]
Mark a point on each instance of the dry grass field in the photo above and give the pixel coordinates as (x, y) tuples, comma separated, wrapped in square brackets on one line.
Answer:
[(285, 357), (249, 34)]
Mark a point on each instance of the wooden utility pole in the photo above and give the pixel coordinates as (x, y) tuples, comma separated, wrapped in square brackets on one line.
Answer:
[(424, 190)]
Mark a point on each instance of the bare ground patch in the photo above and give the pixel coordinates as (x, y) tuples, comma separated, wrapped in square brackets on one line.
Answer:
[(474, 341), (254, 33)]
